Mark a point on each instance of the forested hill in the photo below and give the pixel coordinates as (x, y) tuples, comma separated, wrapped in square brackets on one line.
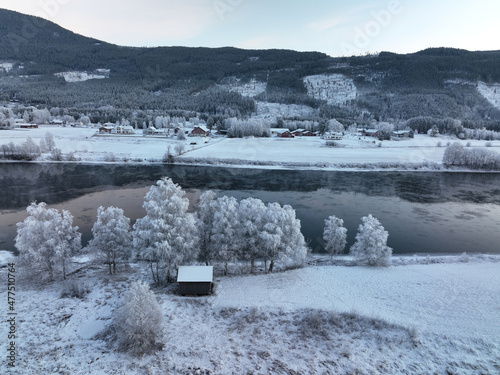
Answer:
[(52, 49), (438, 82)]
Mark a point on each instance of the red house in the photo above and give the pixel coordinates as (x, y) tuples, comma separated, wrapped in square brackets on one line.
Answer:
[(200, 131), (285, 133)]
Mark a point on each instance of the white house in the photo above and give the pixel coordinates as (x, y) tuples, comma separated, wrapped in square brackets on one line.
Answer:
[(336, 136)]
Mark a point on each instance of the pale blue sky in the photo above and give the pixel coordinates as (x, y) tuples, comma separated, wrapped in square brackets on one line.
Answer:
[(335, 27)]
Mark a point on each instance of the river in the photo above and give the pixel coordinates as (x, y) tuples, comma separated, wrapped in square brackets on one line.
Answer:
[(424, 212)]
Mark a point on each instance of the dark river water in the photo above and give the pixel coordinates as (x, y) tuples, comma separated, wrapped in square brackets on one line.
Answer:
[(424, 212)]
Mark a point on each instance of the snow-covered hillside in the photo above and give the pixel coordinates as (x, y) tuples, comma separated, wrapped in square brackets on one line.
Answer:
[(333, 88), (83, 76), (6, 66), (250, 89), (490, 92), (277, 110)]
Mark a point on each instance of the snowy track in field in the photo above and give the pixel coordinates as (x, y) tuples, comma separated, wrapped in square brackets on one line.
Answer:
[(449, 299)]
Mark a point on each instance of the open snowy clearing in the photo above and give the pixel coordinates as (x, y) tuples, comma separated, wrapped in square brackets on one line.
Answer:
[(408, 319), (302, 152)]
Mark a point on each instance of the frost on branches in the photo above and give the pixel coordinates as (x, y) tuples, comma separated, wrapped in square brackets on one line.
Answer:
[(112, 240), (205, 223), (139, 321), (371, 247), (335, 235), (251, 214), (224, 231), (167, 236), (45, 240), (281, 238)]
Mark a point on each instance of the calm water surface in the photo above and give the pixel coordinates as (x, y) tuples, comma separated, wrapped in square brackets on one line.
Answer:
[(424, 212)]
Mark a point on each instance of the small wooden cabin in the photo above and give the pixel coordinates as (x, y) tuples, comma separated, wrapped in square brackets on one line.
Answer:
[(195, 280)]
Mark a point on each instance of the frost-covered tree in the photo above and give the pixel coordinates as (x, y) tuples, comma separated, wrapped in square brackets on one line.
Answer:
[(281, 237), (454, 154), (112, 240), (335, 235), (139, 321), (30, 150), (167, 236), (205, 223), (224, 230), (46, 239), (251, 214), (335, 126), (50, 143), (371, 247)]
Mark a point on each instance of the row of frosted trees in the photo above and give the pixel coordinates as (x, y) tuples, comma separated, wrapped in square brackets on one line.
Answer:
[(223, 231)]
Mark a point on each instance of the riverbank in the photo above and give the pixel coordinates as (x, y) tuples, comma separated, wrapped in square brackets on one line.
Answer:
[(351, 153), (435, 318)]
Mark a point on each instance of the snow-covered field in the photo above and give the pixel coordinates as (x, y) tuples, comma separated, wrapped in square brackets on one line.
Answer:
[(404, 319), (300, 152)]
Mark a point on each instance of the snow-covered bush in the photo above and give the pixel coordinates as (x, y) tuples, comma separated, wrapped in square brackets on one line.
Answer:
[(45, 240), (371, 247), (167, 236), (475, 158), (112, 240), (56, 154), (335, 235), (139, 321), (454, 154), (75, 289)]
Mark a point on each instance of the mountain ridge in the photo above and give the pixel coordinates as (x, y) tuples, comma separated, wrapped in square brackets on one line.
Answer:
[(388, 85)]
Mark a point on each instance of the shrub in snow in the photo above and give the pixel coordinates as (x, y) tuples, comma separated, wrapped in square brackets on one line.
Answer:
[(112, 240), (371, 247), (45, 240), (75, 289), (167, 236), (56, 154), (335, 235), (475, 158), (139, 321)]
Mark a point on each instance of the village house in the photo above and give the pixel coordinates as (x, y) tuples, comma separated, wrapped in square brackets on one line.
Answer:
[(402, 134), (199, 131), (127, 129), (106, 129), (370, 133), (284, 133), (298, 132), (336, 136), (24, 125)]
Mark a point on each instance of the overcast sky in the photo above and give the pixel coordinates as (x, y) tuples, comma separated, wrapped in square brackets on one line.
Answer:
[(338, 28)]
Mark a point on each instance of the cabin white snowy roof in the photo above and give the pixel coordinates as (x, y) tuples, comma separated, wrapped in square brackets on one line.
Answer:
[(195, 274)]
